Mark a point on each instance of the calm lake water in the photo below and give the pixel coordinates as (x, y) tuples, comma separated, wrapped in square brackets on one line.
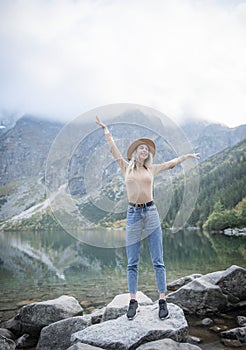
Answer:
[(37, 266)]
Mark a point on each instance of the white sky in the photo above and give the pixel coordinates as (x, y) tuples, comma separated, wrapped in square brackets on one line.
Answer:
[(185, 58)]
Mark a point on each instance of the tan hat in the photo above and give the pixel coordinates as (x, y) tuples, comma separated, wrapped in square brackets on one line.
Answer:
[(138, 142)]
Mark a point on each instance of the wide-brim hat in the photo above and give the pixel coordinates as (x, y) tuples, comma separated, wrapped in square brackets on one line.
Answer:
[(150, 143)]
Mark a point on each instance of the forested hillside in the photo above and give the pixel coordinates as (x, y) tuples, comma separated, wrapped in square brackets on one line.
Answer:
[(222, 188)]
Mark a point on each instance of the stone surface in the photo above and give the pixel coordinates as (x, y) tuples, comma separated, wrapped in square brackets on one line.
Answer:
[(167, 344), (6, 344), (238, 334), (207, 321), (119, 305), (35, 316), (174, 285), (6, 333), (57, 335), (122, 334), (97, 315), (26, 341), (216, 291), (241, 320), (199, 296), (233, 282), (14, 325), (81, 346)]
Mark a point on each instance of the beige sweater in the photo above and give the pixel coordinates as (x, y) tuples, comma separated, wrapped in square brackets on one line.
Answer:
[(139, 182)]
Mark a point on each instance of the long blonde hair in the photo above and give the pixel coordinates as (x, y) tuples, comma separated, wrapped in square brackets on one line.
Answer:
[(134, 159)]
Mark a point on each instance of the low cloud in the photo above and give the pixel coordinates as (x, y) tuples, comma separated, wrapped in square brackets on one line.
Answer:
[(185, 58)]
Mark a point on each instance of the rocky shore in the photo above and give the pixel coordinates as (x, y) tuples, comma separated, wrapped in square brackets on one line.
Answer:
[(60, 323)]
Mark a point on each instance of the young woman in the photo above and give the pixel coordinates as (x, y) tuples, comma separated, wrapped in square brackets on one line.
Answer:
[(142, 212)]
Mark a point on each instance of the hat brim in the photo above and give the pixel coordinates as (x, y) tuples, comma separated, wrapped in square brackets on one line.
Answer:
[(150, 143)]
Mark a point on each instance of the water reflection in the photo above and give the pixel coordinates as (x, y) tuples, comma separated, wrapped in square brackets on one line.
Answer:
[(32, 258), (37, 266)]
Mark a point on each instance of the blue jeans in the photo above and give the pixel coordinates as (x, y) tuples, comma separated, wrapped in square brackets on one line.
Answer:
[(147, 219)]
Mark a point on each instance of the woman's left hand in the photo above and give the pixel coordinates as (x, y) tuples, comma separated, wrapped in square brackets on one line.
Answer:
[(194, 155)]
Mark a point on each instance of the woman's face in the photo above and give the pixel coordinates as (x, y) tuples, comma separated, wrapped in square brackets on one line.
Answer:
[(142, 152)]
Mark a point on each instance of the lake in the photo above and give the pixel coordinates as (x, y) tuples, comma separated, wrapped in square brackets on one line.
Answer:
[(42, 265)]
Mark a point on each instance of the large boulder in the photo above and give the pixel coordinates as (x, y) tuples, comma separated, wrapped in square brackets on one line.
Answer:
[(81, 346), (176, 284), (233, 283), (6, 344), (167, 344), (123, 334), (199, 296), (35, 316), (119, 305), (216, 291), (57, 335)]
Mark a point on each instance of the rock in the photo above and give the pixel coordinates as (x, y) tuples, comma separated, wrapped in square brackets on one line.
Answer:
[(174, 285), (6, 344), (193, 340), (97, 315), (232, 343), (199, 296), (218, 329), (35, 316), (57, 335), (119, 305), (123, 334), (233, 282), (216, 291), (81, 346), (26, 341), (6, 333), (167, 344), (238, 334), (207, 321), (241, 320), (14, 325)]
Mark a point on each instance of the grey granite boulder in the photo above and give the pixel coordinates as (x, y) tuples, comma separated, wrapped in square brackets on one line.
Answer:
[(174, 285), (199, 296), (81, 346), (233, 283), (35, 316), (119, 305), (216, 291), (167, 344), (57, 335), (122, 334), (6, 344)]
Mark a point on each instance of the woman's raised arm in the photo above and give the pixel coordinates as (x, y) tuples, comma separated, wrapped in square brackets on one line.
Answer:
[(112, 146)]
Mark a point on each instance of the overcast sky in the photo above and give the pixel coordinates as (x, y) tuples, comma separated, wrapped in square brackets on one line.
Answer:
[(185, 58)]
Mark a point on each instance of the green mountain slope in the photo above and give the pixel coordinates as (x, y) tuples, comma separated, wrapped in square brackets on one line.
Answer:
[(222, 179)]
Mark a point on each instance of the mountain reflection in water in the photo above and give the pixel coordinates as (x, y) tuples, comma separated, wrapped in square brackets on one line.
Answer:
[(43, 265)]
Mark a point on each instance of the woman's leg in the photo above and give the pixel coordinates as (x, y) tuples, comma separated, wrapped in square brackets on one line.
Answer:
[(156, 252), (133, 239), (133, 253)]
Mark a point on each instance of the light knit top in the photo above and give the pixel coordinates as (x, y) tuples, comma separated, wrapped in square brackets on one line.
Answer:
[(139, 182)]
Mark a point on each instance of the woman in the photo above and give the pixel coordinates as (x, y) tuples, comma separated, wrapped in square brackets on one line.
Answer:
[(142, 212)]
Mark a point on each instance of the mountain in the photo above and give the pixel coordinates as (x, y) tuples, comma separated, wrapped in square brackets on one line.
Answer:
[(209, 139), (222, 179), (26, 146)]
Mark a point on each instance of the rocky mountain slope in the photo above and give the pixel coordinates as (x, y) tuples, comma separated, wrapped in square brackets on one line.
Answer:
[(26, 146)]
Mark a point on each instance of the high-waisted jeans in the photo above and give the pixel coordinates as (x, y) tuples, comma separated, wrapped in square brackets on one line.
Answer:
[(147, 219)]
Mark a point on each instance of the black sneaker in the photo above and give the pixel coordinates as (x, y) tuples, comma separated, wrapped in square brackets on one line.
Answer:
[(132, 309), (163, 312)]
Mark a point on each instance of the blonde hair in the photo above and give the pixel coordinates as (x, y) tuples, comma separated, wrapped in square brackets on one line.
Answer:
[(134, 159)]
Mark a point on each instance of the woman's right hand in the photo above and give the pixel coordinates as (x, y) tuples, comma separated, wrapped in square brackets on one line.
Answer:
[(100, 123)]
